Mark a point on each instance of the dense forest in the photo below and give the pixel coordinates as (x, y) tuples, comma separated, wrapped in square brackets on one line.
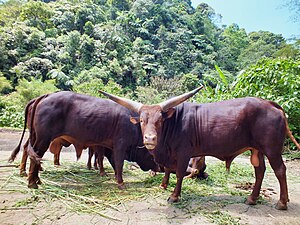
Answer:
[(147, 50)]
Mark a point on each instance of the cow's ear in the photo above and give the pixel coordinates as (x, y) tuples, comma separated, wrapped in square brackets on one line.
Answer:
[(169, 113), (134, 120)]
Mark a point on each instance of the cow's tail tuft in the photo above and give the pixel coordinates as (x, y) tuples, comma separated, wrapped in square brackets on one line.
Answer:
[(32, 154)]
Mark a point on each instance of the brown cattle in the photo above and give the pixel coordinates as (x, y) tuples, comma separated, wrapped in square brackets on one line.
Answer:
[(83, 121), (222, 129)]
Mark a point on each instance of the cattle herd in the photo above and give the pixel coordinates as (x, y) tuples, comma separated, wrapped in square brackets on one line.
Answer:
[(173, 136)]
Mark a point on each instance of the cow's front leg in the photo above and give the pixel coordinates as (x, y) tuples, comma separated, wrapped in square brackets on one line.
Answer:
[(101, 166), (118, 175), (119, 162), (182, 164), (165, 181), (90, 155)]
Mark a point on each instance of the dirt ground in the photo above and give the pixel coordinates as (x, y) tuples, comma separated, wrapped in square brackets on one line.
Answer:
[(149, 211)]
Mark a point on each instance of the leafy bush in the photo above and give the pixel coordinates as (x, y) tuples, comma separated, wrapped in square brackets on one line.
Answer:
[(159, 89), (92, 87), (28, 90), (5, 85), (11, 117), (12, 105), (218, 86)]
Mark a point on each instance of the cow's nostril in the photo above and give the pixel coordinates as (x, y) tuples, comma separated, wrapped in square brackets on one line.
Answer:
[(150, 137)]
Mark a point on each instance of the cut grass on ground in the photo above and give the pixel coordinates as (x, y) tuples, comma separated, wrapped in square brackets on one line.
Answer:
[(83, 190)]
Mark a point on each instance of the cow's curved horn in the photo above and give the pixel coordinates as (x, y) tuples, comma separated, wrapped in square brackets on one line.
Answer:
[(178, 99), (132, 105)]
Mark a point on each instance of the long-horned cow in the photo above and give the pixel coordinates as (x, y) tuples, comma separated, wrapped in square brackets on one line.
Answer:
[(222, 129)]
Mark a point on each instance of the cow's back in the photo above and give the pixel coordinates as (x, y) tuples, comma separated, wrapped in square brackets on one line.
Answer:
[(87, 119)]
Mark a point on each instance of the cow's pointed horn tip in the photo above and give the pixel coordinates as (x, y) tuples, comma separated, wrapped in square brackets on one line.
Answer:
[(102, 92), (199, 88)]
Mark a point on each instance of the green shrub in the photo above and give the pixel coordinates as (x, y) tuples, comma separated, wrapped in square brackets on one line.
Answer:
[(11, 117), (92, 87), (12, 105), (5, 85), (28, 90)]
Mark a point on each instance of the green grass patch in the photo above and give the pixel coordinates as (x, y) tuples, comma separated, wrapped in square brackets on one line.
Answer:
[(292, 155)]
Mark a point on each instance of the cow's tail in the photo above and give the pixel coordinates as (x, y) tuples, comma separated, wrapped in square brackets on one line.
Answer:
[(17, 149), (32, 154), (288, 131), (291, 136)]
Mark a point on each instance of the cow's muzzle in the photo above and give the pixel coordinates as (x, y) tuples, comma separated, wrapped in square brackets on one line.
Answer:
[(150, 141), (150, 146)]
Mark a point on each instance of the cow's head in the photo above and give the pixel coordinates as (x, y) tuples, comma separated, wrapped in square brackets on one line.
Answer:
[(151, 117)]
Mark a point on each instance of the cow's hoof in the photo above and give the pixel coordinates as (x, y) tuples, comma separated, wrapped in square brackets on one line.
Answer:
[(103, 174), (281, 206), (250, 201), (33, 185), (163, 186), (23, 174), (121, 186), (203, 176), (173, 199)]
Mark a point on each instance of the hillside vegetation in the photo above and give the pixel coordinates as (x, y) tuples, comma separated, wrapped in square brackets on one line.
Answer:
[(147, 50)]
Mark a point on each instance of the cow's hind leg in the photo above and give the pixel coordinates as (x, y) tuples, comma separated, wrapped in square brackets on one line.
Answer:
[(280, 172), (33, 175), (33, 178), (259, 175)]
